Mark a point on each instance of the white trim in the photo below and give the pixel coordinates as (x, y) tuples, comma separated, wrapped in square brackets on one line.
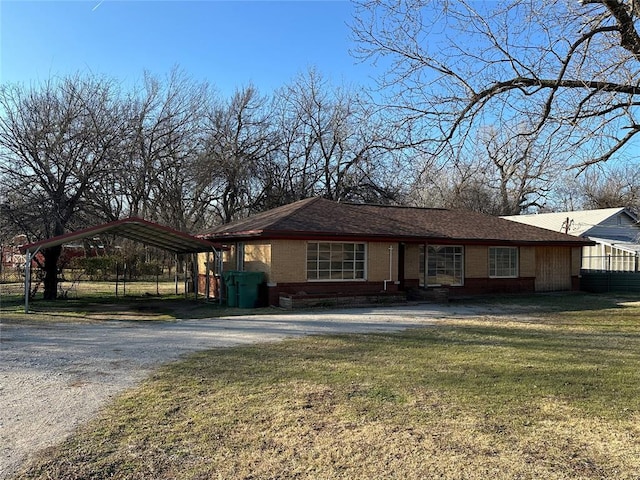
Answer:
[(517, 264), (624, 246), (426, 266), (338, 280)]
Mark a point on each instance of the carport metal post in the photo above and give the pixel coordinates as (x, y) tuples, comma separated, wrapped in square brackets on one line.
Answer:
[(206, 278), (195, 279), (27, 278), (175, 258), (213, 265), (219, 267), (186, 282)]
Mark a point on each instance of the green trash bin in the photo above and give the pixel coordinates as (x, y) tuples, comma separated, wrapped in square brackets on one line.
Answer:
[(248, 288), (230, 282)]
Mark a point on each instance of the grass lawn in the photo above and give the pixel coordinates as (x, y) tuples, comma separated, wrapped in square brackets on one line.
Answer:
[(555, 395), (96, 301)]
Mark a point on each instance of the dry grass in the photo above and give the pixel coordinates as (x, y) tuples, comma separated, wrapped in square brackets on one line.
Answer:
[(553, 397), (91, 289), (96, 301)]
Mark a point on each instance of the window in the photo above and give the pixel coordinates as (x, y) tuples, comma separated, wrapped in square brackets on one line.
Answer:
[(443, 265), (503, 262), (335, 261)]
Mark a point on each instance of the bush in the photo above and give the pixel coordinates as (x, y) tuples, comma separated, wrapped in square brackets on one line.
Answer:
[(96, 268), (151, 269)]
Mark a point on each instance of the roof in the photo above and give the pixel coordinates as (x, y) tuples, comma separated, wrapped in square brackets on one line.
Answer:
[(318, 218), (580, 221), (136, 229)]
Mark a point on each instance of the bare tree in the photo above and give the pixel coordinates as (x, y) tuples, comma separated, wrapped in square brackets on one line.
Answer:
[(611, 188), (504, 173), (238, 147), (521, 168), (158, 178), (57, 140), (461, 185), (334, 144), (455, 67)]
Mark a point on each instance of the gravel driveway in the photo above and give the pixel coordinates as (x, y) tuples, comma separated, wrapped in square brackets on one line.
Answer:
[(55, 376)]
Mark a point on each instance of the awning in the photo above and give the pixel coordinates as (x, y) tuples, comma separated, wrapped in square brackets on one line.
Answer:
[(630, 247), (133, 228)]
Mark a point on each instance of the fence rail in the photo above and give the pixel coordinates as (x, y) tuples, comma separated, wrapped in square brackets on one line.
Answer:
[(616, 263)]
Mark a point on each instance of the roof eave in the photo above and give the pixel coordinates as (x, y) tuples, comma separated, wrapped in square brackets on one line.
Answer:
[(337, 236)]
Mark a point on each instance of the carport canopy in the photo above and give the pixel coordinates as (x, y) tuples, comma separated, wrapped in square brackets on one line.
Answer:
[(133, 228)]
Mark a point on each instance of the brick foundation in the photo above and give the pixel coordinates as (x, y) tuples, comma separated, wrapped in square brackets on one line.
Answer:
[(329, 289)]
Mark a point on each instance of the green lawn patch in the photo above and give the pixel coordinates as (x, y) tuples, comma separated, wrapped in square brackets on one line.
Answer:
[(555, 396)]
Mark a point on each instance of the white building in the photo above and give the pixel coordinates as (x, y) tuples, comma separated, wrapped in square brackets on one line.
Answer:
[(615, 230)]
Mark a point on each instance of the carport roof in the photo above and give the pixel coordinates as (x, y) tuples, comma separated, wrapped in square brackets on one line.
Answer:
[(136, 229)]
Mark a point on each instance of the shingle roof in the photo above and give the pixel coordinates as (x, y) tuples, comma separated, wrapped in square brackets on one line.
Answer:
[(318, 218)]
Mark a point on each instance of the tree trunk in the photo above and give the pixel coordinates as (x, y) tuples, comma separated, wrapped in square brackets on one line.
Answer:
[(51, 256)]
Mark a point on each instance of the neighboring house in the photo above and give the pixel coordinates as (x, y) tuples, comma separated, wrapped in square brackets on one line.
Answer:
[(317, 246), (615, 231), (10, 257)]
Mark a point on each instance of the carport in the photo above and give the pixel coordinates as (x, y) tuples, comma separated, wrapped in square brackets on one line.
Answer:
[(135, 229)]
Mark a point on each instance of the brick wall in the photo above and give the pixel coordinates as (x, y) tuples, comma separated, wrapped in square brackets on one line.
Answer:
[(527, 261), (476, 261), (288, 261), (477, 286), (257, 258), (378, 261)]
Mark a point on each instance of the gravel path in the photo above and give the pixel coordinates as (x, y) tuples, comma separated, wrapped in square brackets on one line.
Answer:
[(54, 377)]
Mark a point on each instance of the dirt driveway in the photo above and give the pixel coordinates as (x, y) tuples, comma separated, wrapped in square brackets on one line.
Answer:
[(55, 376)]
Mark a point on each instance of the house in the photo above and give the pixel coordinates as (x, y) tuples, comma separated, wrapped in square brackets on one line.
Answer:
[(10, 257), (615, 231), (321, 247)]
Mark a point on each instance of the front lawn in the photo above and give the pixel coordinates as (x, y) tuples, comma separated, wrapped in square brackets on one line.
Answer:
[(542, 396), (97, 302)]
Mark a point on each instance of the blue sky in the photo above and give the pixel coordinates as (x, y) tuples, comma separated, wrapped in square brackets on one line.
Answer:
[(227, 43)]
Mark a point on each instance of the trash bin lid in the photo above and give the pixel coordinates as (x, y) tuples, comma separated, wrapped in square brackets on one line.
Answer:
[(229, 276), (249, 278)]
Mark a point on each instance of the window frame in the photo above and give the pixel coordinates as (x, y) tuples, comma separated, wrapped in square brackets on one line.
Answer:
[(494, 268), (331, 258), (457, 260)]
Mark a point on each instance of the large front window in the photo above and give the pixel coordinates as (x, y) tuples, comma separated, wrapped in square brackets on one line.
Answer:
[(335, 261), (444, 265)]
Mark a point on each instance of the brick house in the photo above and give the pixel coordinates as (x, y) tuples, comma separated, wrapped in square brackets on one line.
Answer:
[(320, 247)]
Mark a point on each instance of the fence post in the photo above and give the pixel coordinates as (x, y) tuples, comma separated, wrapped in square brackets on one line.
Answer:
[(175, 259), (27, 281)]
